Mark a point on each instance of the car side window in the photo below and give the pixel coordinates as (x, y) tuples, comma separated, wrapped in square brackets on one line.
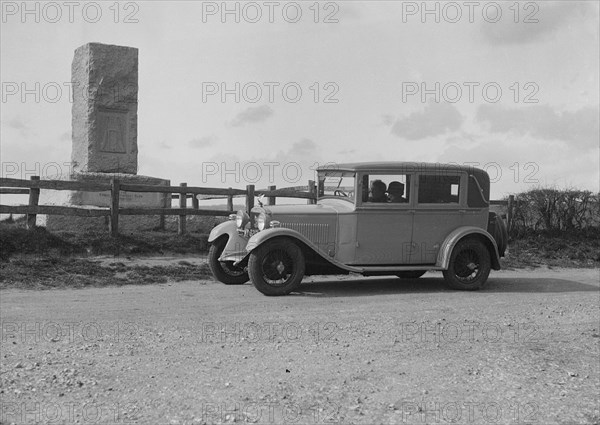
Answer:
[(437, 189), (386, 189)]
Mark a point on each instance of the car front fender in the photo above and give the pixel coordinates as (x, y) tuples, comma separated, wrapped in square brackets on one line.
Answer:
[(443, 258), (268, 234), (235, 249), (261, 237)]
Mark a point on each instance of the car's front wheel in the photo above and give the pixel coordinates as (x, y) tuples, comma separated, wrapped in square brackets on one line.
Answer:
[(411, 274), (469, 265), (224, 271), (276, 267)]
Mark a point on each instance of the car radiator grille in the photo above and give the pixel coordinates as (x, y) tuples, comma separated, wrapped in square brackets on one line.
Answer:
[(316, 233)]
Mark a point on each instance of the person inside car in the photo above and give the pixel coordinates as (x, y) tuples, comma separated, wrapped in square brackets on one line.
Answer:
[(378, 189), (396, 192)]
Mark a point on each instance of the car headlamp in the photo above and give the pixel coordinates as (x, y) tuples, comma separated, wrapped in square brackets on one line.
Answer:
[(241, 219), (262, 222)]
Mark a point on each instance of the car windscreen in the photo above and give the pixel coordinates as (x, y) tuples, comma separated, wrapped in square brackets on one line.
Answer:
[(337, 183)]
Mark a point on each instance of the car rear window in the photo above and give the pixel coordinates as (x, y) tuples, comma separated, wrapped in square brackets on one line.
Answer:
[(436, 189)]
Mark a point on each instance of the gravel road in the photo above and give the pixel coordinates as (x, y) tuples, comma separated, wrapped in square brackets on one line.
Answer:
[(344, 350)]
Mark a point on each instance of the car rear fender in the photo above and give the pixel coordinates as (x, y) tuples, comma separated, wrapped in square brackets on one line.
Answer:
[(443, 258), (235, 249)]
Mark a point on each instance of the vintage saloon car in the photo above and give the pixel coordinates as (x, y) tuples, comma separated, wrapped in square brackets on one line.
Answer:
[(374, 219)]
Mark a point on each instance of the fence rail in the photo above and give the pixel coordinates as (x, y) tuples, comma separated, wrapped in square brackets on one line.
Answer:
[(182, 192)]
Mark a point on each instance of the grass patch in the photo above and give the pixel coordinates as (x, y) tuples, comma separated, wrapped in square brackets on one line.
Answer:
[(578, 249), (48, 273), (16, 239)]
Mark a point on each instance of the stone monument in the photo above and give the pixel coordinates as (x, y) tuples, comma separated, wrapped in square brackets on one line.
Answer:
[(104, 115), (104, 137)]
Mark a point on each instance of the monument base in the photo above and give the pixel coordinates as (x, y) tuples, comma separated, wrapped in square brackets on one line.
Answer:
[(83, 199)]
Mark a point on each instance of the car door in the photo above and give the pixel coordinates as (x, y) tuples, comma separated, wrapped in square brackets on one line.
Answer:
[(384, 229), (440, 208)]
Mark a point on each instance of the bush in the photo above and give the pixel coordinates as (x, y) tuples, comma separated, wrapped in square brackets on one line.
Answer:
[(554, 211)]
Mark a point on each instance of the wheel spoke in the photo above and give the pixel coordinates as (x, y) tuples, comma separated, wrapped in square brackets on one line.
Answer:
[(230, 269)]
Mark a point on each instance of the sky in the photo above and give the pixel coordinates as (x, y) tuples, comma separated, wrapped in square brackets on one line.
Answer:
[(235, 93)]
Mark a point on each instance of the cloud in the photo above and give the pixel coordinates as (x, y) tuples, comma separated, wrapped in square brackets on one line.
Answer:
[(580, 128), (535, 21), (18, 125), (251, 115), (202, 142), (388, 119), (522, 162), (435, 119), (292, 165), (302, 148)]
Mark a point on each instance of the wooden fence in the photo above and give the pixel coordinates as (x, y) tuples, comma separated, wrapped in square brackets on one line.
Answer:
[(182, 192)]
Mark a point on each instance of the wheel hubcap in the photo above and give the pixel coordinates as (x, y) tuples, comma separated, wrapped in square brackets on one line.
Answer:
[(280, 267), (277, 267), (467, 265)]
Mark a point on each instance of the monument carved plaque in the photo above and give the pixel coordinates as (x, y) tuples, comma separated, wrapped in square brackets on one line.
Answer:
[(112, 129)]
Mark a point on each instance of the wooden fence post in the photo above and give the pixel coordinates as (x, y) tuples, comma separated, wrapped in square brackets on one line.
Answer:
[(249, 197), (195, 202), (271, 199), (182, 204), (312, 190), (34, 197), (229, 202), (509, 212), (114, 207)]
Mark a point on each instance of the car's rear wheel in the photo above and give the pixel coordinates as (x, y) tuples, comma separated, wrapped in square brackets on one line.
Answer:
[(276, 267), (225, 271), (412, 274), (469, 265)]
